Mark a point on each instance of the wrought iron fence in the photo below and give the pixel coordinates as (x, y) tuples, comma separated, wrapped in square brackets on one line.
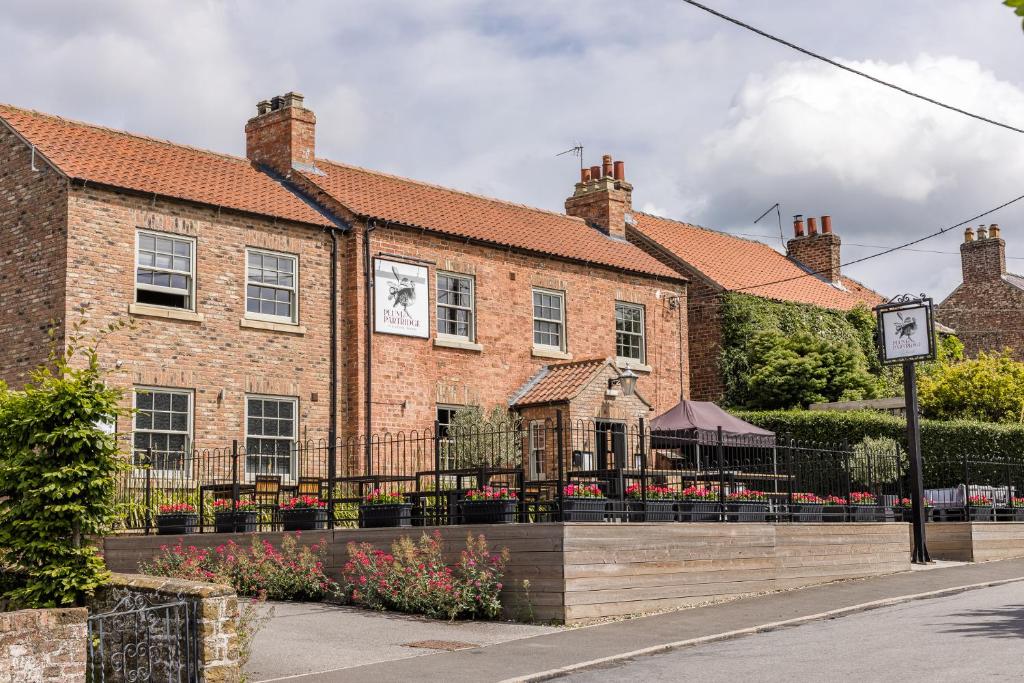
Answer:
[(641, 476)]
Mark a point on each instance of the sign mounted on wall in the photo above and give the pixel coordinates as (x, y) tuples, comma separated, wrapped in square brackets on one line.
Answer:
[(905, 330), (401, 299)]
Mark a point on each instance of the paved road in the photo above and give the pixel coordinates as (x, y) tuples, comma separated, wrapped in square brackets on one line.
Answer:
[(976, 636)]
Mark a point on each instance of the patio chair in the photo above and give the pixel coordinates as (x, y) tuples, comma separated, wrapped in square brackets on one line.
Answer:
[(310, 486), (267, 494)]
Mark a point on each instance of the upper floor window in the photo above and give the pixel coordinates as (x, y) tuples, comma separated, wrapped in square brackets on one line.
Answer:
[(271, 291), (165, 270), (629, 331), (270, 429), (455, 306), (163, 428), (549, 319)]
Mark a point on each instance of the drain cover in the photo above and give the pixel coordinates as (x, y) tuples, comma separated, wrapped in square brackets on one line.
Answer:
[(441, 645)]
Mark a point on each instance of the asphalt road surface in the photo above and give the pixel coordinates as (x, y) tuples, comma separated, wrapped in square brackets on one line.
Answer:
[(973, 636)]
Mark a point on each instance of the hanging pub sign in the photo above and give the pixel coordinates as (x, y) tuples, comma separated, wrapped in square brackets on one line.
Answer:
[(905, 329), (401, 298)]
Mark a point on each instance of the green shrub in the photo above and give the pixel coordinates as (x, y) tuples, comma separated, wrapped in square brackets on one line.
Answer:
[(989, 388), (58, 467)]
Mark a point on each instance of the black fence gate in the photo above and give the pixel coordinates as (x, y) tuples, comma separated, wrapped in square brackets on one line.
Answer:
[(136, 642)]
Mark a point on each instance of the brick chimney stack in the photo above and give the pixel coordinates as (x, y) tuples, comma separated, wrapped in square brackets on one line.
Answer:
[(282, 135), (983, 259), (603, 197), (816, 251)]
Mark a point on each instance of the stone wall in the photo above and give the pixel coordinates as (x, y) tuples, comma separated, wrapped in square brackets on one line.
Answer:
[(39, 645)]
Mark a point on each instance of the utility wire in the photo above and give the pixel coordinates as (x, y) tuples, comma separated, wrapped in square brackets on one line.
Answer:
[(870, 246), (836, 64)]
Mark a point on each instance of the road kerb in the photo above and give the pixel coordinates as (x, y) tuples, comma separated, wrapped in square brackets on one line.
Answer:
[(761, 628)]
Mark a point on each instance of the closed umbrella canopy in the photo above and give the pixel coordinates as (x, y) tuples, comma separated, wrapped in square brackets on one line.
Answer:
[(705, 417)]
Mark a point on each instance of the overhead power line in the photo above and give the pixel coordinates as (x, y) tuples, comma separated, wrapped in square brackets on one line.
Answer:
[(851, 70), (869, 246)]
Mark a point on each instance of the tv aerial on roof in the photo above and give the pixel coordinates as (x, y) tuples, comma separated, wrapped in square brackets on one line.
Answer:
[(576, 150)]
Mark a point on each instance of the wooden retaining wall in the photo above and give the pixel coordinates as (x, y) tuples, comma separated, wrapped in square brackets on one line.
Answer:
[(580, 571), (975, 541)]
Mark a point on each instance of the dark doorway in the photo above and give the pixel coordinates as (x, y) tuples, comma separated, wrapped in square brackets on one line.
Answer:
[(611, 444)]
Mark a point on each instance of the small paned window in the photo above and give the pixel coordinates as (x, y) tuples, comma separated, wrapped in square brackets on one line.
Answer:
[(629, 331), (165, 270), (549, 319), (271, 286)]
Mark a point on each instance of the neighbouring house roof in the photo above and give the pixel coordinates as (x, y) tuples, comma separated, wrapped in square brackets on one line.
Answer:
[(133, 162), (743, 265), (1015, 280), (400, 200), (561, 382)]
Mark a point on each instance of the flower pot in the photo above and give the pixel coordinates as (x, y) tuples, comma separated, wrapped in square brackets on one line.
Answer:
[(392, 514), (833, 513), (489, 511), (806, 512), (980, 514), (244, 521), (698, 511), (867, 513), (304, 519), (583, 509), (177, 523), (746, 511), (651, 511)]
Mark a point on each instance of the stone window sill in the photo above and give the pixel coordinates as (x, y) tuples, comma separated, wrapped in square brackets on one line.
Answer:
[(634, 365), (168, 313), (457, 343), (542, 352), (290, 328)]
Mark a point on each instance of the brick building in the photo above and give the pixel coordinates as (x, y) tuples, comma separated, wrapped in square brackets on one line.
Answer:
[(985, 310), (286, 296), (717, 263)]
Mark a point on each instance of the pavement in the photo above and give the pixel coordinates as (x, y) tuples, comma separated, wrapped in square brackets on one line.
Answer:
[(972, 636), (558, 652)]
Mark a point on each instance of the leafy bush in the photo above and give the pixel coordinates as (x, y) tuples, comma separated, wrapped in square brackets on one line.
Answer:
[(988, 388), (293, 572), (477, 437), (413, 578), (58, 469)]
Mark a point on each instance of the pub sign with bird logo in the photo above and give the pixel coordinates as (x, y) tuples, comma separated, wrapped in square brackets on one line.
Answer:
[(401, 298)]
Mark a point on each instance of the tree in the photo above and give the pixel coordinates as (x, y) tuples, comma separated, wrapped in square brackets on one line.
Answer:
[(800, 369), (988, 388), (477, 437), (1018, 6)]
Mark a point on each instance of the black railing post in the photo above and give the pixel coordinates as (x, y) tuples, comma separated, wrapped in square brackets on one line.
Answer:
[(437, 475), (643, 472), (849, 482), (149, 489), (234, 486), (788, 448), (720, 454), (559, 456), (332, 475), (1009, 493), (967, 489)]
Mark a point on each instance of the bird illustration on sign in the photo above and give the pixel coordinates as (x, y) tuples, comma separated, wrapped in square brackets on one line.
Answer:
[(401, 292), (905, 327)]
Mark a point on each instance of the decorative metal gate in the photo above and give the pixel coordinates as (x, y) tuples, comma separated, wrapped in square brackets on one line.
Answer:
[(136, 642)]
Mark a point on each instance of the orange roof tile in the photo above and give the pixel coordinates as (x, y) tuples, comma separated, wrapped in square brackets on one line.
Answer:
[(561, 382), (743, 265), (409, 202), (110, 157)]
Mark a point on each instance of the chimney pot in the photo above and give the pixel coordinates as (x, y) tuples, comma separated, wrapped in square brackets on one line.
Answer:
[(595, 172), (606, 161), (826, 225), (620, 170), (969, 235), (812, 226), (982, 233), (993, 231), (276, 102), (262, 107), (584, 175), (293, 99), (798, 225)]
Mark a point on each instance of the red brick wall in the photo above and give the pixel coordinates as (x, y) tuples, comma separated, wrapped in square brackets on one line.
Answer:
[(216, 354), (818, 252), (987, 315), (33, 219)]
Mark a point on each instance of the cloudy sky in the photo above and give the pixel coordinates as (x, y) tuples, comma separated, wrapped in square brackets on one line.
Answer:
[(715, 124)]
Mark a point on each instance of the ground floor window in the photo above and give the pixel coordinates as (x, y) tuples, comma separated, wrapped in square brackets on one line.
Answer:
[(162, 428), (538, 446), (445, 416), (270, 429)]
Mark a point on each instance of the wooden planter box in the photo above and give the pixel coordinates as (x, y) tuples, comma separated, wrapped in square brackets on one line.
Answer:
[(376, 516), (303, 519), (489, 511), (651, 511), (867, 513), (698, 511), (980, 514), (244, 521), (806, 512), (833, 513), (746, 512), (177, 523), (583, 509)]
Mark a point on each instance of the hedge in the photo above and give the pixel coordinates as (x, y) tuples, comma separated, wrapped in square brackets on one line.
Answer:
[(943, 443)]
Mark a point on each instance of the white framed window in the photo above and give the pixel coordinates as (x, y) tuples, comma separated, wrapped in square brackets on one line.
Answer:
[(270, 427), (271, 286), (445, 415), (165, 268), (538, 447), (162, 428), (629, 331), (456, 306), (549, 319)]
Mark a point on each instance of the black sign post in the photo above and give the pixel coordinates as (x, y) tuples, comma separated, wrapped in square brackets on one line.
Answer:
[(906, 335)]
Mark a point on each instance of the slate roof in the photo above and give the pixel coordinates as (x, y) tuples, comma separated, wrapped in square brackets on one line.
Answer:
[(743, 265), (110, 157)]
